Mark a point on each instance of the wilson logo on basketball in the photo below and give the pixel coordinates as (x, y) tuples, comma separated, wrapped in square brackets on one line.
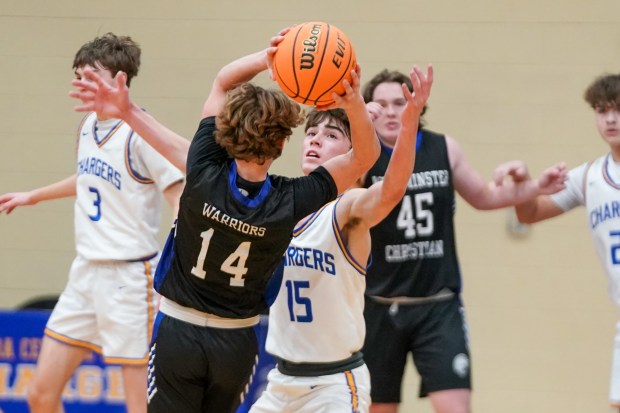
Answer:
[(312, 61), (307, 57)]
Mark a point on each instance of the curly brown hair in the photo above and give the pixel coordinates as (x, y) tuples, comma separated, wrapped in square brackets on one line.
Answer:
[(604, 92), (255, 122), (389, 76), (113, 52)]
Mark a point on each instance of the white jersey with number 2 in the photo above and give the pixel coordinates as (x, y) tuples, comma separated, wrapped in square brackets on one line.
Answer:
[(597, 186)]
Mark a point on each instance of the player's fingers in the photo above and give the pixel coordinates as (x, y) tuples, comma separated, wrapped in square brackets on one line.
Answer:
[(86, 107), (430, 74), (83, 85), (90, 75), (416, 77), (355, 80), (409, 97)]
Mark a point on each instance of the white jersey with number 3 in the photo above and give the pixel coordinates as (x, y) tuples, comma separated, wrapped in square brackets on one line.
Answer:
[(119, 183), (317, 316), (597, 186)]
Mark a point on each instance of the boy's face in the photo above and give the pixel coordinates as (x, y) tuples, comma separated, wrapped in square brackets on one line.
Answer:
[(105, 74), (608, 124), (323, 142), (390, 96)]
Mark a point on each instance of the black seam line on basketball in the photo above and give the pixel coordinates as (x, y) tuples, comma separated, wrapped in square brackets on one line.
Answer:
[(289, 92), (293, 63), (341, 76), (320, 64)]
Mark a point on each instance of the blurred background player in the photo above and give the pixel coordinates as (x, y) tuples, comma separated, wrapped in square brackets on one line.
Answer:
[(108, 304), (413, 302), (316, 324), (595, 185), (235, 222)]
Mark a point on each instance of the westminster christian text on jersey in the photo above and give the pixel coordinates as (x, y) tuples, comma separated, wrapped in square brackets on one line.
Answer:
[(415, 242)]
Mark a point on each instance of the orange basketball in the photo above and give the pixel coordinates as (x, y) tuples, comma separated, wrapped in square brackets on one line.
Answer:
[(312, 61)]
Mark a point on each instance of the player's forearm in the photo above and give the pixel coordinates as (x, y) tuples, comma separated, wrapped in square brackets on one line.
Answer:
[(508, 194), (57, 190), (364, 141), (168, 143), (401, 165), (241, 70), (526, 212)]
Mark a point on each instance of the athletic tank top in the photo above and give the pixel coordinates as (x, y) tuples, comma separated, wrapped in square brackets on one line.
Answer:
[(317, 316), (602, 192), (413, 248), (119, 183), (226, 246)]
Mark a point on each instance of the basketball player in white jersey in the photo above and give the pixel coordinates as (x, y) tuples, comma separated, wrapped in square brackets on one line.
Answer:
[(316, 324), (234, 224), (595, 185), (108, 304)]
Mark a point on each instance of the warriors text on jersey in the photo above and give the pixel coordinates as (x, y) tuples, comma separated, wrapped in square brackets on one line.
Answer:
[(413, 248), (226, 245), (318, 315), (119, 183), (597, 186)]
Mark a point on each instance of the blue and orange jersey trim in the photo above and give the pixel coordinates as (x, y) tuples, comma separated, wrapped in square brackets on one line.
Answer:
[(347, 254), (132, 172), (73, 342), (606, 175), (355, 400), (97, 349), (108, 135), (305, 224)]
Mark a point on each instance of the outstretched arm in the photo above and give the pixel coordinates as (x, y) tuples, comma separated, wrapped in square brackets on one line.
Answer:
[(113, 101), (541, 207), (501, 192), (347, 168), (57, 190), (372, 205), (240, 71), (537, 209)]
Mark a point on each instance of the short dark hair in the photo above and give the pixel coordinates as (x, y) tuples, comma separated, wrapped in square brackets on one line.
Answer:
[(112, 52), (388, 76), (338, 115)]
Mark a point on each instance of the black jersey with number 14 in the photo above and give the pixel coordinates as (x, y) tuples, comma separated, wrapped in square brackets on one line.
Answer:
[(225, 246)]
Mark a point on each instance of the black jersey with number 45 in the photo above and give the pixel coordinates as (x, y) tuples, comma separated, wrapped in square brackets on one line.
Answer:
[(225, 246), (413, 248)]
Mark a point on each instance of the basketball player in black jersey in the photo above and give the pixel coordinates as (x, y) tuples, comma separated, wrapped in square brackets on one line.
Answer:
[(235, 222), (413, 301)]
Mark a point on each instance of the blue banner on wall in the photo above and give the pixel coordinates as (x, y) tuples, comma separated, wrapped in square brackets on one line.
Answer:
[(95, 387)]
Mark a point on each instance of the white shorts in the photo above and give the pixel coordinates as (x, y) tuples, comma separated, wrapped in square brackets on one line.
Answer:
[(614, 388), (344, 392), (107, 307)]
